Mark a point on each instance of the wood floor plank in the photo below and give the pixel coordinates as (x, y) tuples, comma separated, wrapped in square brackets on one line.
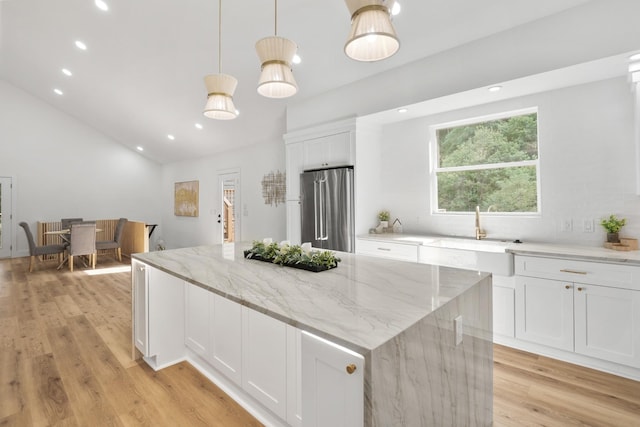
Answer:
[(89, 402), (64, 360)]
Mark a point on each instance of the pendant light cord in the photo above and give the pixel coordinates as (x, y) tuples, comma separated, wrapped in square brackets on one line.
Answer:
[(219, 36), (275, 18)]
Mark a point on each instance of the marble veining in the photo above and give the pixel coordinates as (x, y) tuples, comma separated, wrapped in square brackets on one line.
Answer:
[(361, 304)]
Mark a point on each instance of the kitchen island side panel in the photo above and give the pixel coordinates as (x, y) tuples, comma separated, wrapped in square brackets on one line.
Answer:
[(422, 378)]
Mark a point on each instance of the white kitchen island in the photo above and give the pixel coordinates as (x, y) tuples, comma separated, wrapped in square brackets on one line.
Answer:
[(413, 340)]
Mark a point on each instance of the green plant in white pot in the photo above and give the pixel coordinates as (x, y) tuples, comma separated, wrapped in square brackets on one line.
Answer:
[(384, 216), (613, 226)]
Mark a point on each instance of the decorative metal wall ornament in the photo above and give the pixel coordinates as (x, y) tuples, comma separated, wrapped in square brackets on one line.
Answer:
[(274, 188)]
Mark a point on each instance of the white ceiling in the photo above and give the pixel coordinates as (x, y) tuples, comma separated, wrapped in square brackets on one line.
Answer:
[(141, 77)]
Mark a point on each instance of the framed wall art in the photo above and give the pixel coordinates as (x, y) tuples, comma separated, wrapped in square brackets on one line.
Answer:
[(186, 198)]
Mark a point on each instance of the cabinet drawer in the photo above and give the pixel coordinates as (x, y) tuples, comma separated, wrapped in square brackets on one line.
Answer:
[(390, 250), (613, 275)]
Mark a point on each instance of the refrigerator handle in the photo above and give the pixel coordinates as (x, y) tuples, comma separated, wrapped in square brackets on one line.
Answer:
[(323, 220), (315, 210)]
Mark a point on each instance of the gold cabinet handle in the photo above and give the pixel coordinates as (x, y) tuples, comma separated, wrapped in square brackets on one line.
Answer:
[(581, 289), (566, 270), (567, 286), (351, 368)]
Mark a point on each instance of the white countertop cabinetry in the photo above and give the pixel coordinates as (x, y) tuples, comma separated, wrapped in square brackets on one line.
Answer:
[(588, 309), (579, 304), (361, 322)]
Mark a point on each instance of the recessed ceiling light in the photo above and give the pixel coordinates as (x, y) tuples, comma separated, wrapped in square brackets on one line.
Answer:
[(395, 9), (102, 5), (402, 110), (635, 57), (296, 59), (495, 88), (139, 148), (58, 91), (198, 126), (171, 137), (67, 72), (81, 45)]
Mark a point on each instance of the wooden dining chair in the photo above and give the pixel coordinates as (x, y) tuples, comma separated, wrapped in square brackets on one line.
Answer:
[(82, 242), (35, 250)]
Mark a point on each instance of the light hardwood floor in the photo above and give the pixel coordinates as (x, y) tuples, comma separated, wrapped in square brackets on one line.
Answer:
[(65, 360)]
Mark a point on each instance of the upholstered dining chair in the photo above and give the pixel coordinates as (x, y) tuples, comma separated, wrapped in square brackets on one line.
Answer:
[(35, 251), (65, 223), (82, 242), (116, 243)]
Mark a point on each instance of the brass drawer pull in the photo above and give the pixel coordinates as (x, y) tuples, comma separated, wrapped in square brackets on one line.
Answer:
[(581, 289), (567, 286), (384, 249), (564, 270), (351, 368)]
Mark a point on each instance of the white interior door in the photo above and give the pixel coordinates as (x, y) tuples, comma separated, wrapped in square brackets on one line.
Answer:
[(6, 224), (229, 207)]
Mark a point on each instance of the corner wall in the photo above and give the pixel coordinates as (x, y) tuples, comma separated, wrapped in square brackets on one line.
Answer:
[(257, 219), (64, 168)]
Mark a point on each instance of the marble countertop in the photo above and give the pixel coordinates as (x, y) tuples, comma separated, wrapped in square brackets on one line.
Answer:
[(577, 252), (361, 304)]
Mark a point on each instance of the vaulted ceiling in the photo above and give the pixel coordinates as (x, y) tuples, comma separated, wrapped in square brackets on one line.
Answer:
[(141, 77)]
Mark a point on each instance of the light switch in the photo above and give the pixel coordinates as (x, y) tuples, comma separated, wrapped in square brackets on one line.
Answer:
[(588, 226)]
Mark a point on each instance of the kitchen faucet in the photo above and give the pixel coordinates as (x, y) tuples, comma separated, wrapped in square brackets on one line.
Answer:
[(480, 233)]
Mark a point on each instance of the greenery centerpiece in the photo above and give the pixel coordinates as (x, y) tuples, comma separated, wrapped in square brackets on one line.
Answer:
[(613, 226), (292, 256)]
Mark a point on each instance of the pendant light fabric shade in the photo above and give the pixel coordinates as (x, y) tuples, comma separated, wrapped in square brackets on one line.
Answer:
[(276, 79), (372, 35), (220, 89)]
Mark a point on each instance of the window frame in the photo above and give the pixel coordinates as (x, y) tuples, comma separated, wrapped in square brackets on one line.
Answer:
[(434, 169)]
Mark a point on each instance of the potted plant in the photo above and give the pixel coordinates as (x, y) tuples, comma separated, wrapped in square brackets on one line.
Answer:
[(384, 216), (613, 226)]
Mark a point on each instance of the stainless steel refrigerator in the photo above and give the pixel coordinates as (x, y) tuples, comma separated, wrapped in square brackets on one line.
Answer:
[(327, 214)]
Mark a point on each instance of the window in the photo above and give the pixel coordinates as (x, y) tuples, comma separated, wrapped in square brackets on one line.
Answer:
[(491, 163)]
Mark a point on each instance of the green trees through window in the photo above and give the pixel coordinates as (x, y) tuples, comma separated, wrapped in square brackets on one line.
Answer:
[(492, 164)]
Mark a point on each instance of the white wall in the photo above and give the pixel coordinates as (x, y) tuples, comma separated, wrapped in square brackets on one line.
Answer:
[(257, 220), (63, 168), (587, 167)]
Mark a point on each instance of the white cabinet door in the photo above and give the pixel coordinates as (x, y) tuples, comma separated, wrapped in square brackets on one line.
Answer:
[(327, 151), (544, 310), (294, 377), (607, 323), (294, 163), (197, 319), (294, 230), (264, 360), (166, 318), (226, 337), (140, 306), (503, 306), (332, 384)]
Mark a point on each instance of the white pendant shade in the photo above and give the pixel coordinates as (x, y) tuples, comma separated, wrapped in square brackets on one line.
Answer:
[(372, 35), (276, 79), (220, 89)]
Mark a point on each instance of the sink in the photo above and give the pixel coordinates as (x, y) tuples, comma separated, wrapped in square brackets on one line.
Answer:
[(481, 255)]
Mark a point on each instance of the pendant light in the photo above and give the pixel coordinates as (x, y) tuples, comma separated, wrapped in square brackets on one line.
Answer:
[(372, 35), (220, 87), (276, 54)]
